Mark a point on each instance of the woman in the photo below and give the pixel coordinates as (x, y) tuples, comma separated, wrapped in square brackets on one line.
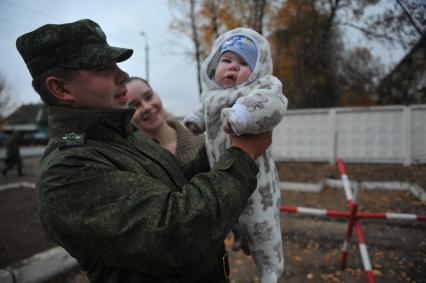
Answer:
[(150, 119)]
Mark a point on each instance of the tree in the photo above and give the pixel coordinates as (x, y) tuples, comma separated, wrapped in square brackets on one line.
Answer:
[(7, 101), (307, 39), (248, 13), (203, 20), (359, 75), (312, 25), (189, 28), (305, 59), (400, 22)]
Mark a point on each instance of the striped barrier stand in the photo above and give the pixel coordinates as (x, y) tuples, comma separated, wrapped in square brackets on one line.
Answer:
[(353, 215), (345, 181), (352, 222), (364, 253), (353, 207)]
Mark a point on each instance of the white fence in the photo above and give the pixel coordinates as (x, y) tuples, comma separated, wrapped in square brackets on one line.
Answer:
[(382, 134)]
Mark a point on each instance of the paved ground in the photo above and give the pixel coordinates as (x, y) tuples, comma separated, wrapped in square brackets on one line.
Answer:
[(311, 244), (21, 235)]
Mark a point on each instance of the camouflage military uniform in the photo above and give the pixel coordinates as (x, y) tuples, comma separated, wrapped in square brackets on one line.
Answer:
[(127, 209)]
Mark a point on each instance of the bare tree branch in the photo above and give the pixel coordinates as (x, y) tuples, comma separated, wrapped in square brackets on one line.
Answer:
[(258, 14), (410, 18), (7, 101), (369, 32), (214, 7)]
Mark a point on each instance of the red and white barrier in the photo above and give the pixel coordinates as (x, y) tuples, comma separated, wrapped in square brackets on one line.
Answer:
[(364, 253), (345, 181), (353, 215), (391, 215), (346, 214)]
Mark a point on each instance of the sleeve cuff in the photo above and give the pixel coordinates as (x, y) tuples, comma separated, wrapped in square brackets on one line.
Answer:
[(240, 158), (239, 117)]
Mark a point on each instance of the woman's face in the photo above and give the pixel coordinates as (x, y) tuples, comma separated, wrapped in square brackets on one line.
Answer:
[(149, 115)]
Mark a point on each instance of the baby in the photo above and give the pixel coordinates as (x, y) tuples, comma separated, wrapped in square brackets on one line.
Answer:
[(242, 97)]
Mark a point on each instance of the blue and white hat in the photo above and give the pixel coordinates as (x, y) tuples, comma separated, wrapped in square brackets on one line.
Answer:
[(244, 47)]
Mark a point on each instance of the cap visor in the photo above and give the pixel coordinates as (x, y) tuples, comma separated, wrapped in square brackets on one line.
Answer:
[(90, 57), (122, 53)]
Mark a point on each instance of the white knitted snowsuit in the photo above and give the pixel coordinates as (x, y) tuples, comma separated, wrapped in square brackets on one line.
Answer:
[(254, 106)]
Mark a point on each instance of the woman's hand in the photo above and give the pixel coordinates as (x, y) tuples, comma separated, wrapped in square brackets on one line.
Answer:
[(194, 129)]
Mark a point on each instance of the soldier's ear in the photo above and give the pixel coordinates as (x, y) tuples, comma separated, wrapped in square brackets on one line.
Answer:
[(59, 88)]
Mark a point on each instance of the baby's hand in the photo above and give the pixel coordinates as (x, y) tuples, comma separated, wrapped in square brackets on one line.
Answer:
[(194, 129), (227, 127)]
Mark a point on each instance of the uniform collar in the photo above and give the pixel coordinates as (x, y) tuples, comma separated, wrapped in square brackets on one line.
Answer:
[(94, 124)]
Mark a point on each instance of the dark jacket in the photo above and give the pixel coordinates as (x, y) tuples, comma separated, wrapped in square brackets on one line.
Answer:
[(12, 146), (127, 209)]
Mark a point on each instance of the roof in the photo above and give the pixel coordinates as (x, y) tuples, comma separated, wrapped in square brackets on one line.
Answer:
[(405, 84), (28, 114)]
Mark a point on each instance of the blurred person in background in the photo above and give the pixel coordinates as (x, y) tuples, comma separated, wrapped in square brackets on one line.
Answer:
[(13, 154)]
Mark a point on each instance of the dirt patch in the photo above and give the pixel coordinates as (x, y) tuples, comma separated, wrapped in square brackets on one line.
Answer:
[(311, 244)]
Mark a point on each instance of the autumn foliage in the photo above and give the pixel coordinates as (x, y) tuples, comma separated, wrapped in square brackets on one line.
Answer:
[(310, 41)]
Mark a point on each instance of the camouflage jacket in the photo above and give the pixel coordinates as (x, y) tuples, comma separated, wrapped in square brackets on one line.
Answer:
[(127, 209)]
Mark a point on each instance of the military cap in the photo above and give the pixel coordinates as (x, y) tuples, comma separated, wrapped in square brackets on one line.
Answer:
[(77, 45)]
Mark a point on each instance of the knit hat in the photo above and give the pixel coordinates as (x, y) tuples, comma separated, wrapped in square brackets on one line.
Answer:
[(77, 45), (244, 47)]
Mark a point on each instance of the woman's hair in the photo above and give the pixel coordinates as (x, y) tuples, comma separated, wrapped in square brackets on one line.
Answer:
[(39, 83), (131, 79)]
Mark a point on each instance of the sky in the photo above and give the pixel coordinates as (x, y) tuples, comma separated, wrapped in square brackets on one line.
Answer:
[(172, 74)]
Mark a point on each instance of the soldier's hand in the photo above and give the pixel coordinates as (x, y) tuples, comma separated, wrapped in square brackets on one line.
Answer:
[(253, 145)]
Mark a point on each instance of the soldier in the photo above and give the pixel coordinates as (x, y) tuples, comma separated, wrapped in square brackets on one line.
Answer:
[(124, 207), (13, 155)]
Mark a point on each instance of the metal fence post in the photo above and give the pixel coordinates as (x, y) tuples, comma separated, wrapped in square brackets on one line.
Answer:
[(407, 135), (332, 138)]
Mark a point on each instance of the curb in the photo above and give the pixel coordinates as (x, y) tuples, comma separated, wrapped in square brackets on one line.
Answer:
[(39, 268), (28, 185), (26, 151)]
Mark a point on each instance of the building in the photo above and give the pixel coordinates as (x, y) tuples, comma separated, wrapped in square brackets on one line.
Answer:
[(406, 83), (31, 121)]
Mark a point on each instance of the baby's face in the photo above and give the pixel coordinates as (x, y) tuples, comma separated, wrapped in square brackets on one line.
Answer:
[(231, 70)]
